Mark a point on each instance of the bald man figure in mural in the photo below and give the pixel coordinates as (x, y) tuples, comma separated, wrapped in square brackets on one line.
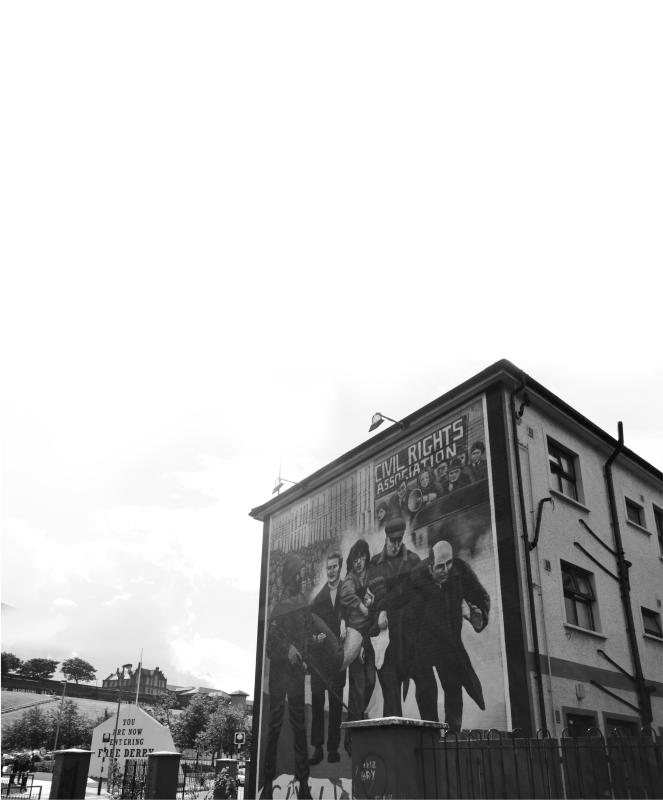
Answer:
[(434, 622)]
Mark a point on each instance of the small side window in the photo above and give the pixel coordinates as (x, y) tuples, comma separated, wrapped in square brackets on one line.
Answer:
[(579, 598), (651, 621), (563, 469), (635, 512), (658, 519)]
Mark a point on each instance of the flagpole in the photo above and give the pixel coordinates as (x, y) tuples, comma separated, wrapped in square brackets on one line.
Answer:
[(140, 666)]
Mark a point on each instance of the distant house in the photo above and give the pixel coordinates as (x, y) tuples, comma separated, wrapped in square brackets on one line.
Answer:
[(237, 699), (152, 681)]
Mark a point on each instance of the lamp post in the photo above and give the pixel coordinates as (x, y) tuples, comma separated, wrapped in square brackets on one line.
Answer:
[(57, 728)]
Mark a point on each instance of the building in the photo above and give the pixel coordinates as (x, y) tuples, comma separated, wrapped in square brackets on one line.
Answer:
[(562, 526), (125, 678), (236, 699)]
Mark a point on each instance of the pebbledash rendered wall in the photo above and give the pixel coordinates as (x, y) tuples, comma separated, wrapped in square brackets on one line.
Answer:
[(572, 657), (346, 501)]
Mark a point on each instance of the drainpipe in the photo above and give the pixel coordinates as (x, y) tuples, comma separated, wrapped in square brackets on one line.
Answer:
[(644, 700), (515, 415)]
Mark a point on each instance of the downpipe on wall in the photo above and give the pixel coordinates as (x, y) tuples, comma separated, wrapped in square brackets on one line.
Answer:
[(515, 416), (644, 700)]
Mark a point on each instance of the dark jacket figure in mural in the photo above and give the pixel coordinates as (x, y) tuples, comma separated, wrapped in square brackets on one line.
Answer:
[(325, 676), (357, 601), (456, 478), (478, 468), (394, 565), (435, 619), (289, 637), (398, 503)]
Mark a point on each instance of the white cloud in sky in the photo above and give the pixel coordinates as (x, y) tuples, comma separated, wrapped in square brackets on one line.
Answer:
[(119, 598), (208, 657), (64, 601)]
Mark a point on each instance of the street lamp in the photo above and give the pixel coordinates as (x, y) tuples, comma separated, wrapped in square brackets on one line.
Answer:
[(279, 484), (57, 728), (379, 418)]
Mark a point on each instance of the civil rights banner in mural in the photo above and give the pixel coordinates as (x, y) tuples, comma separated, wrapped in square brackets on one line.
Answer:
[(382, 599)]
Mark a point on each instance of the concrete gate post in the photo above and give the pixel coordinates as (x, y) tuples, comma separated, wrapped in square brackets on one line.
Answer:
[(388, 758), (70, 774), (162, 773)]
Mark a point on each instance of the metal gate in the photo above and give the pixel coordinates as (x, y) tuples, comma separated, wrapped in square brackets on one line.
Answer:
[(133, 780), (196, 780)]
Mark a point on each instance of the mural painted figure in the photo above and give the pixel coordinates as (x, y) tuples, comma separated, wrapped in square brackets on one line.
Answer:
[(434, 622), (378, 601)]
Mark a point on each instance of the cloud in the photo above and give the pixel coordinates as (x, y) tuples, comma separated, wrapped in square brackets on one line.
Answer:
[(118, 598), (63, 601), (214, 661)]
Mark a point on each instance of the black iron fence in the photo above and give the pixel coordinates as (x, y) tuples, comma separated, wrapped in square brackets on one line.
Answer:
[(490, 764), (196, 779), (20, 784), (133, 779)]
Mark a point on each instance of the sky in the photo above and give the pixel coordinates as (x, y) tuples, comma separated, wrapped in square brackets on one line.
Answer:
[(233, 231)]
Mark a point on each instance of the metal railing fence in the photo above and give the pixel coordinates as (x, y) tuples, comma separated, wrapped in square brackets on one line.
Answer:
[(481, 764)]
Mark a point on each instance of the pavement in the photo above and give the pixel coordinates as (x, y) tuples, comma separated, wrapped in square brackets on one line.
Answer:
[(44, 780)]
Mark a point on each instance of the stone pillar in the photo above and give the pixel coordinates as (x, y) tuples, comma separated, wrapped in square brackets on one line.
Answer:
[(224, 763), (70, 774), (163, 770), (388, 757)]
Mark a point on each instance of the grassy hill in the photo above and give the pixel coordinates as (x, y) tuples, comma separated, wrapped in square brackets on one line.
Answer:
[(10, 701), (15, 704)]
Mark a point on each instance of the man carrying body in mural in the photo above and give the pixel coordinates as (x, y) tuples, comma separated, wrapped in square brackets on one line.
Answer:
[(357, 599), (289, 636), (326, 676), (394, 564), (435, 618)]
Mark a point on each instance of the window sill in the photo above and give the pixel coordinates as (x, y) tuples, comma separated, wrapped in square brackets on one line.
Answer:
[(653, 638), (569, 500), (640, 528), (589, 632)]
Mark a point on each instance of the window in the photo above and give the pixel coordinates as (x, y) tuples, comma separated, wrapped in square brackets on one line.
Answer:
[(651, 622), (658, 519), (579, 724), (578, 596), (562, 468), (635, 513), (617, 726)]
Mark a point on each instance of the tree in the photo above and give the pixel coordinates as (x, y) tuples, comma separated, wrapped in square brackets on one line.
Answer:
[(209, 724), (161, 707), (75, 728), (221, 727), (10, 663), (35, 728), (38, 668), (193, 721), (78, 670), (31, 731)]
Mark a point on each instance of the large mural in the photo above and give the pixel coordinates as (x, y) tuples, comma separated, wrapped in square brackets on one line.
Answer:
[(382, 600)]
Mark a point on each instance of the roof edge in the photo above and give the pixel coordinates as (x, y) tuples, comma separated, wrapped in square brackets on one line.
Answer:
[(502, 371)]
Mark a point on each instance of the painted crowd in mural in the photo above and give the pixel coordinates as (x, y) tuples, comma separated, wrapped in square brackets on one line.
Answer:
[(382, 600)]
